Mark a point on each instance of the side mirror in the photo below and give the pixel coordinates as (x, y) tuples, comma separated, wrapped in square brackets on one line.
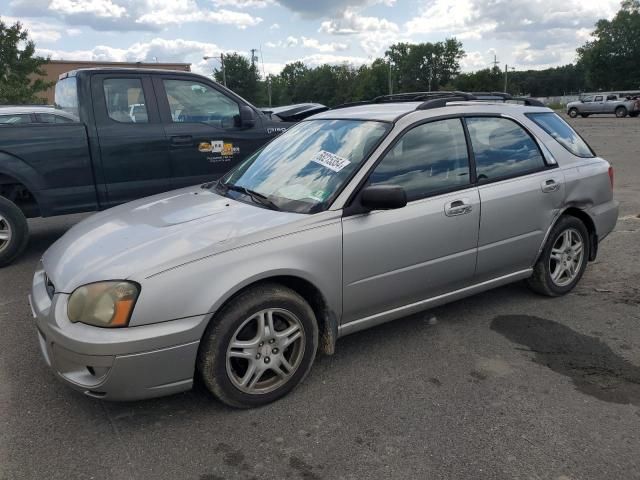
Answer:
[(246, 118), (383, 197)]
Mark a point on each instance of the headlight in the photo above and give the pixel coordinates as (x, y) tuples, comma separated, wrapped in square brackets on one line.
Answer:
[(103, 304)]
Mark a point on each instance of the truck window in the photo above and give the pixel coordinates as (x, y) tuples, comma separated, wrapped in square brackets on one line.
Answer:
[(598, 98), (50, 118), (125, 100), (612, 97), (66, 95), (15, 119), (191, 101)]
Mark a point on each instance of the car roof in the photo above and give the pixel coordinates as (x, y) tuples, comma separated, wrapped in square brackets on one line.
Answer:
[(392, 111)]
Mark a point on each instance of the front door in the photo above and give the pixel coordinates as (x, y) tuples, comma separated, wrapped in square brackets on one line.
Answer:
[(134, 152), (397, 257), (205, 140), (519, 192)]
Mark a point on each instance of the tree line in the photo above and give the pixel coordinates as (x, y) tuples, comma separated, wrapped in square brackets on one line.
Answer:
[(610, 61)]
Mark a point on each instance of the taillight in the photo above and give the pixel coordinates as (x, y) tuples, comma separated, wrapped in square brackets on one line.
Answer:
[(611, 176)]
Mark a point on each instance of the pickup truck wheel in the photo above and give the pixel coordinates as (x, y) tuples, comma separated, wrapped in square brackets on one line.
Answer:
[(634, 114), (563, 259), (584, 115), (573, 112), (621, 112), (14, 231), (258, 347)]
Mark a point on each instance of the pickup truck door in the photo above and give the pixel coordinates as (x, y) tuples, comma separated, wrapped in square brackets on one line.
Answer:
[(598, 104), (200, 123), (134, 152)]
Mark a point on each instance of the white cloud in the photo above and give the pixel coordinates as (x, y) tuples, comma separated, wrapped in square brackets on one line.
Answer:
[(322, 58), (274, 26), (39, 32), (171, 15), (326, 8), (350, 22), (323, 47), (98, 8), (243, 3)]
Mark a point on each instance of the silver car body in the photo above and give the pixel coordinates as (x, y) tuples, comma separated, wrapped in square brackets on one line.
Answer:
[(191, 250)]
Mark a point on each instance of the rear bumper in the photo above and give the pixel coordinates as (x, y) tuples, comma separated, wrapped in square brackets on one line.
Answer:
[(115, 364), (605, 217)]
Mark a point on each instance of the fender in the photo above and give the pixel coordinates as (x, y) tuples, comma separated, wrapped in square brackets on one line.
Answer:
[(23, 173)]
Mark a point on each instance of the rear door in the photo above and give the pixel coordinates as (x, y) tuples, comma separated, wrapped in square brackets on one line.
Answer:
[(134, 152), (519, 192), (201, 124), (398, 257)]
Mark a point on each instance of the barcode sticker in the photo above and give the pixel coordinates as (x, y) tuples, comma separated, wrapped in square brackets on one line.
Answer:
[(330, 160)]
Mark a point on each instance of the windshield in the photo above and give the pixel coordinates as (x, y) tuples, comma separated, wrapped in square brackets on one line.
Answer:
[(304, 169)]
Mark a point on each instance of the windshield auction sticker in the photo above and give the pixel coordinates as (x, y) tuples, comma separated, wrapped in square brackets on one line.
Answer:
[(330, 160)]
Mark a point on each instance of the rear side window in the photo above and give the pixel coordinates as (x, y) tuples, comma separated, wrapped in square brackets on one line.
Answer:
[(50, 118), (562, 133), (502, 148), (429, 159), (125, 100), (15, 119), (66, 95)]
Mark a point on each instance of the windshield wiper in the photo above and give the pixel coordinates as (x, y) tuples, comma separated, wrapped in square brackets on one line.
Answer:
[(256, 197)]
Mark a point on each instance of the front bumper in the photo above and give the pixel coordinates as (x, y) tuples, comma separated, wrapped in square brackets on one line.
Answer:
[(115, 364)]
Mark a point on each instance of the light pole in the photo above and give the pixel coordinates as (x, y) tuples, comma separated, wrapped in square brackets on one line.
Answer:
[(506, 72), (224, 76), (390, 78)]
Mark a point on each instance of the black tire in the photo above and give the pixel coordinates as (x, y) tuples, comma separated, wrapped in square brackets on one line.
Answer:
[(541, 281), (212, 355), (573, 112), (621, 112), (584, 115), (12, 220), (634, 114)]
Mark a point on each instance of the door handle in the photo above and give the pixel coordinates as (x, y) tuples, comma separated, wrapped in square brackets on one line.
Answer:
[(182, 140), (458, 207), (550, 185)]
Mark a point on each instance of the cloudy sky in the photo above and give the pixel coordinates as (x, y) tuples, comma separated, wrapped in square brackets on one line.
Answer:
[(522, 33)]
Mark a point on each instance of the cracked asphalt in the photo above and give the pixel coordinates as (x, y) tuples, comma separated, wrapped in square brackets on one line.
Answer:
[(503, 385)]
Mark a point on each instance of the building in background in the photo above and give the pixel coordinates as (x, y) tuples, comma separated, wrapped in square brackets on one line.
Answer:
[(55, 68)]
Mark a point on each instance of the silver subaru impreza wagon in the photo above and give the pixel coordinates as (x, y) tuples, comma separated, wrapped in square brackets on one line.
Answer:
[(351, 218)]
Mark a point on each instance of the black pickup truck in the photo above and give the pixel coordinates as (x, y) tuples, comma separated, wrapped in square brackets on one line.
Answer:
[(138, 132)]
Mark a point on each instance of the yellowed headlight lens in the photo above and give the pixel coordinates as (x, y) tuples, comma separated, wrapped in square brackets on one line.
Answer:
[(103, 304)]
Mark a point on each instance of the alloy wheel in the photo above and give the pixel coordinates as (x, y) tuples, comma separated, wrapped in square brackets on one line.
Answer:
[(265, 351), (566, 257), (5, 233)]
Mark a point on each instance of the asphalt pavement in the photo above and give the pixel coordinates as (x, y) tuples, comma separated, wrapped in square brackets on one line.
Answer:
[(503, 385)]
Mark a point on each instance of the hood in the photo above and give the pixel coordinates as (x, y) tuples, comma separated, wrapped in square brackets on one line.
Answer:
[(153, 234)]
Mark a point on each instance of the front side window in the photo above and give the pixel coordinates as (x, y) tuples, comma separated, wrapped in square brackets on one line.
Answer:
[(562, 133), (306, 167), (598, 98), (195, 102), (125, 100), (502, 148), (428, 159)]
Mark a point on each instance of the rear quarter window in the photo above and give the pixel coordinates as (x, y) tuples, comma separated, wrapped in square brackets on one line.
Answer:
[(562, 133), (66, 96)]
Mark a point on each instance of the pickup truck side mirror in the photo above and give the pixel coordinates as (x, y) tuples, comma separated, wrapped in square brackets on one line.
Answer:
[(246, 118), (383, 197)]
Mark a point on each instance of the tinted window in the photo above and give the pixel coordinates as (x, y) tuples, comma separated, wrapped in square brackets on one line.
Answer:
[(66, 96), (428, 159), (598, 98), (587, 99), (502, 148), (562, 133), (125, 100), (50, 118), (15, 119), (195, 102)]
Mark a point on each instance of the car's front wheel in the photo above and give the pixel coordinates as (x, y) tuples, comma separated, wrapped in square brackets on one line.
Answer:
[(563, 259), (258, 347), (573, 112)]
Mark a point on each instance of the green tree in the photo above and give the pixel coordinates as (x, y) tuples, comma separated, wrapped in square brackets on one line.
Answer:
[(18, 66), (242, 77), (612, 59)]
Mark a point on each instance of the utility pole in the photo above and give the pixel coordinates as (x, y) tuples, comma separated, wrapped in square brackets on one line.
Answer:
[(506, 72), (253, 56), (390, 80), (224, 75), (495, 61)]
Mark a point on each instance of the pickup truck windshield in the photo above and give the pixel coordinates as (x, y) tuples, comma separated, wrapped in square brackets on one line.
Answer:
[(303, 169), (66, 95)]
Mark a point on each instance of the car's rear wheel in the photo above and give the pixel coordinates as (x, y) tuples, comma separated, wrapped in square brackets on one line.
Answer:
[(14, 231), (634, 114), (584, 115), (563, 259), (259, 347), (573, 112), (621, 112)]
